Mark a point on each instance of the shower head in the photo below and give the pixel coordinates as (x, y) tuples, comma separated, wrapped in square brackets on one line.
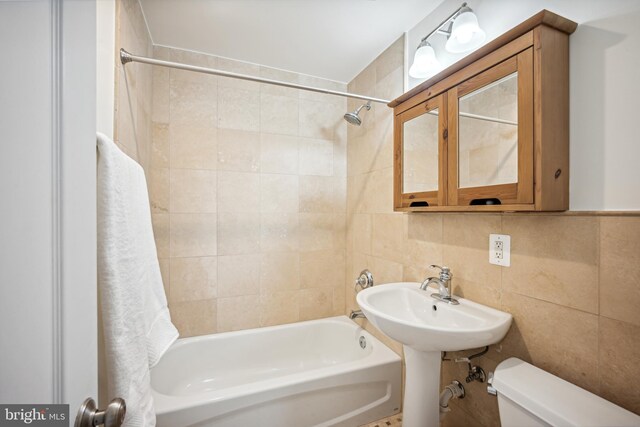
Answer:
[(354, 118)]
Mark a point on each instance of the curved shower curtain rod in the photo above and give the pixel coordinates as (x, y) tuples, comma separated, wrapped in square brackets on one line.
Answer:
[(126, 57)]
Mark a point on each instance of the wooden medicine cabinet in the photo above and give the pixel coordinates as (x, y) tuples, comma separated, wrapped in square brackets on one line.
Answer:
[(491, 132)]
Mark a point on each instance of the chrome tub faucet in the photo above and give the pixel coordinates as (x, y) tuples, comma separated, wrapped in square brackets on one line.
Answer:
[(357, 314)]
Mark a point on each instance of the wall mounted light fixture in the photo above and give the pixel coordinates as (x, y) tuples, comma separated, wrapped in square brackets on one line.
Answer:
[(425, 63), (463, 34)]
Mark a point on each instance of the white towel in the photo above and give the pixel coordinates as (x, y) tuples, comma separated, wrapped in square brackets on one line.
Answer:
[(136, 322)]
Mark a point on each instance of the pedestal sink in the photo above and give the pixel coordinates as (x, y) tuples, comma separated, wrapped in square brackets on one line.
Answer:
[(426, 327)]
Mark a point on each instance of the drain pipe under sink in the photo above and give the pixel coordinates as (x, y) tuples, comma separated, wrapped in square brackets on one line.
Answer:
[(455, 390)]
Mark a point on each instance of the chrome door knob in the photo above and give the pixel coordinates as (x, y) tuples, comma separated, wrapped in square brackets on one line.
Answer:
[(90, 416)]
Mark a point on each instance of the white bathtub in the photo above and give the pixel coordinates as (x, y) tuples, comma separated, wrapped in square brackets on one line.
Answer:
[(304, 374)]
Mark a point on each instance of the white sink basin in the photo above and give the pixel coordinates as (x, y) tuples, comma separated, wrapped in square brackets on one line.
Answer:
[(407, 314), (427, 327)]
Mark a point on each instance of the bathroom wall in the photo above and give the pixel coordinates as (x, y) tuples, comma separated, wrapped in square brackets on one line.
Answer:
[(248, 194), (573, 286), (370, 182), (133, 84)]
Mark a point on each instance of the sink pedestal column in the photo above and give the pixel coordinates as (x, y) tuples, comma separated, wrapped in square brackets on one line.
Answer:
[(421, 406)]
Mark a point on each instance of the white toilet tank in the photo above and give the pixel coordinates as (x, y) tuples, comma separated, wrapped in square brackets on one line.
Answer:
[(529, 396)]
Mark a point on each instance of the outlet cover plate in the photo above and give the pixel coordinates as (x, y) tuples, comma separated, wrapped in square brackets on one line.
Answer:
[(500, 249)]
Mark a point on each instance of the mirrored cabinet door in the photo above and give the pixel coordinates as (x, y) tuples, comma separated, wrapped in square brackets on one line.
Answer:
[(488, 134), (420, 153), (419, 166), (491, 151)]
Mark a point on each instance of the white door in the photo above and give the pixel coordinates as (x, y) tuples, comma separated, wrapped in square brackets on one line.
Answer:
[(48, 326)]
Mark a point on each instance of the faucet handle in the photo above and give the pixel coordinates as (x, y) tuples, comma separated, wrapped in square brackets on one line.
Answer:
[(444, 271), (490, 388), (364, 280)]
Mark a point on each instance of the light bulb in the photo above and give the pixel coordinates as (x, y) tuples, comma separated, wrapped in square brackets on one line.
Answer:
[(466, 34), (425, 63)]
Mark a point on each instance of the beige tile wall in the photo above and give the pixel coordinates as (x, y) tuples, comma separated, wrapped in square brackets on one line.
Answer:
[(375, 234), (248, 194), (573, 286), (133, 85)]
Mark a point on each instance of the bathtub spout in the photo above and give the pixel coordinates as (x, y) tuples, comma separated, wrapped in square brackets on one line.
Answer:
[(357, 314)]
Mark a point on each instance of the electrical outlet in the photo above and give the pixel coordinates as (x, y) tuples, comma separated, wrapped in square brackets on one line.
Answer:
[(500, 249)]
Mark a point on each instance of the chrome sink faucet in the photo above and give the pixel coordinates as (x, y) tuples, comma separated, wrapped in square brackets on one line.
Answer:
[(444, 285)]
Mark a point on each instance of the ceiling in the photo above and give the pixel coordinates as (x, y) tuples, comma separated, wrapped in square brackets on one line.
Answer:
[(332, 39)]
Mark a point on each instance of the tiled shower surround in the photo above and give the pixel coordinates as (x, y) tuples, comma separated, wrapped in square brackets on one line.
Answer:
[(248, 193), (266, 206)]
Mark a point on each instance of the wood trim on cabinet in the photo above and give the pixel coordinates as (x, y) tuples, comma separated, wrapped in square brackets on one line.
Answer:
[(520, 192), (443, 143), (497, 72), (551, 119), (480, 65), (452, 145), (476, 208), (433, 198), (525, 126), (506, 193), (397, 163)]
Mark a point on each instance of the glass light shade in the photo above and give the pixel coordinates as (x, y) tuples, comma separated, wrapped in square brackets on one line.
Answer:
[(466, 34), (425, 63)]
